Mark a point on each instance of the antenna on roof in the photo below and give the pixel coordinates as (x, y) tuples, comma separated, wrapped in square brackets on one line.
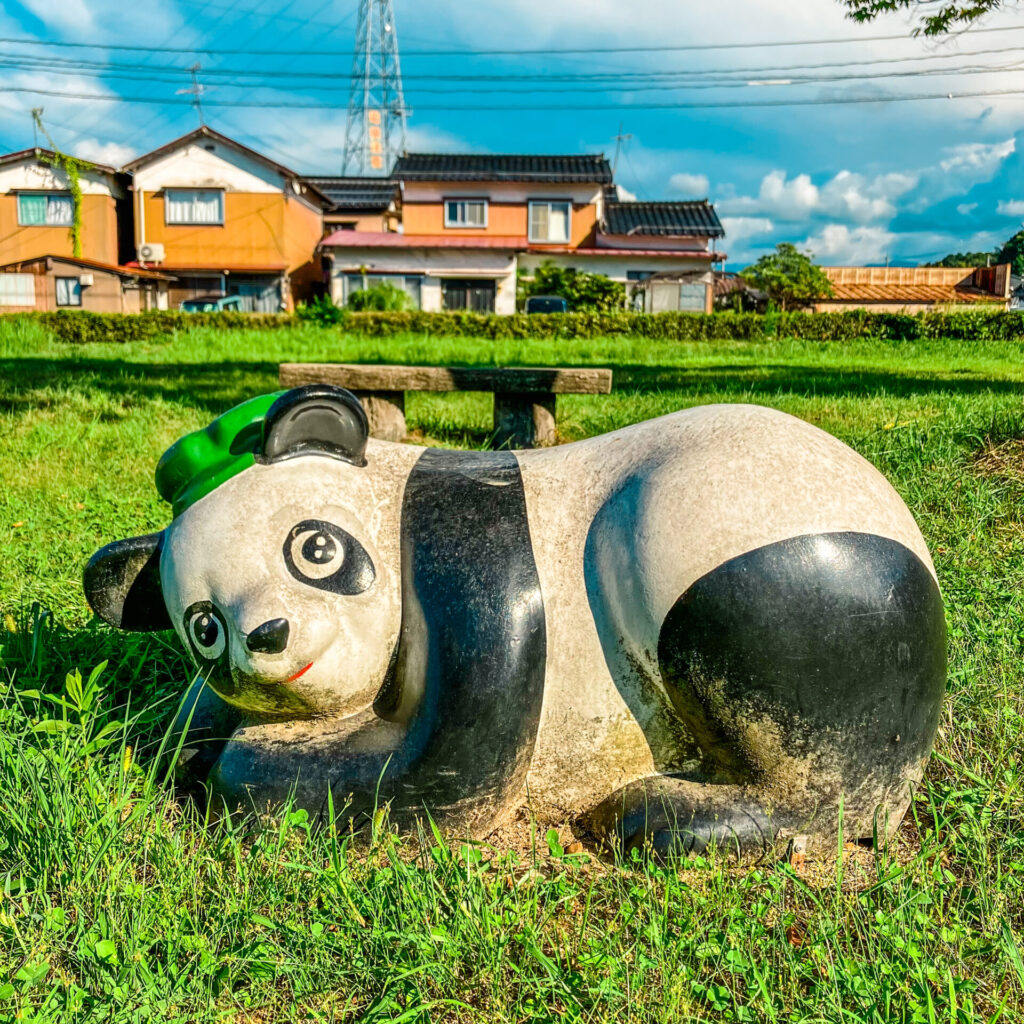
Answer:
[(376, 126), (195, 92), (619, 140), (37, 120)]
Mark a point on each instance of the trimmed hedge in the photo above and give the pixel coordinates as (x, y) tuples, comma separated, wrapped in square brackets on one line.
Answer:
[(82, 327)]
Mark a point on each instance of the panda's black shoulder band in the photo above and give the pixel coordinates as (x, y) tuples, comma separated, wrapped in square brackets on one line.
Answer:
[(316, 419)]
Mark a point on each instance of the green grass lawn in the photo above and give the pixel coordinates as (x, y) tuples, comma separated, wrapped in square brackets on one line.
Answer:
[(119, 904)]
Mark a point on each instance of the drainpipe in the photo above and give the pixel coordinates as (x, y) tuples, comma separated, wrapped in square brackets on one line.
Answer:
[(142, 224)]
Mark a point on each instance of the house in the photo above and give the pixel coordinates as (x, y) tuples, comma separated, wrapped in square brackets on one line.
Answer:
[(38, 268), (358, 204), (37, 209), (915, 289), (221, 218), (49, 283), (468, 224)]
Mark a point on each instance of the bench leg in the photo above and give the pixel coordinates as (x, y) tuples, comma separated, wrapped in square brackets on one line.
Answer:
[(524, 421), (386, 412)]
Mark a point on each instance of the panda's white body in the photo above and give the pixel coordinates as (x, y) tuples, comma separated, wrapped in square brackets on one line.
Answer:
[(629, 538)]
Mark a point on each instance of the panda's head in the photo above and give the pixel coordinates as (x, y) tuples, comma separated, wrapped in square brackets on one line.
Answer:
[(279, 571)]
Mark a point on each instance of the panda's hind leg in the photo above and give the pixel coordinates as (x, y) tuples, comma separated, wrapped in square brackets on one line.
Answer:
[(810, 672)]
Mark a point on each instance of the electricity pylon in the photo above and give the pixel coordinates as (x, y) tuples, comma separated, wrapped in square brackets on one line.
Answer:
[(375, 130)]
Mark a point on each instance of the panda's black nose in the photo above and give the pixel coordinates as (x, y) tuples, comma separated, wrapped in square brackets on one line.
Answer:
[(270, 638)]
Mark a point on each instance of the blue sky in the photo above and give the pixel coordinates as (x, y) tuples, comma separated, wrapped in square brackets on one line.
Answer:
[(851, 183)]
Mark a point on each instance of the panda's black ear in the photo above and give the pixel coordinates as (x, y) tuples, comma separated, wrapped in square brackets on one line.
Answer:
[(122, 584), (316, 419)]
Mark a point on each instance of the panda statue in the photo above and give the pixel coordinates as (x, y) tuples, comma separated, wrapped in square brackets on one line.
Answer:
[(721, 626)]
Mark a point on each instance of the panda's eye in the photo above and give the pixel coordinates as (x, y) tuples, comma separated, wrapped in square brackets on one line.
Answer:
[(317, 554), (205, 630), (324, 556)]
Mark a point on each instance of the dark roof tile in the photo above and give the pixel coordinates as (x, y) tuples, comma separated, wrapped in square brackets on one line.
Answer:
[(356, 193), (696, 217), (579, 167)]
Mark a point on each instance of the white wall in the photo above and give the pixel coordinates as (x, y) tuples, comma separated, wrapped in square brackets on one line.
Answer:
[(30, 173), (500, 191), (208, 164), (655, 242), (432, 264)]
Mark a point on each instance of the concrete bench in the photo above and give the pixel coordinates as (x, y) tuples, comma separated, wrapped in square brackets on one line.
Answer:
[(524, 397)]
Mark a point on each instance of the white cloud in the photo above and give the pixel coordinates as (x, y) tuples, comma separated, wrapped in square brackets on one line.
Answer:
[(965, 208), (689, 184), (73, 15), (846, 195), (1010, 207), (980, 157), (838, 244), (113, 154), (745, 227)]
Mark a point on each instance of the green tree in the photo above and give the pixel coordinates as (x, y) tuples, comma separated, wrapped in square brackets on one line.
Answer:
[(1012, 252), (581, 291), (964, 259), (936, 16), (788, 277)]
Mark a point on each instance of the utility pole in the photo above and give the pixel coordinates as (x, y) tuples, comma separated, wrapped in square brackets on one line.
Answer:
[(619, 140), (375, 131), (195, 92)]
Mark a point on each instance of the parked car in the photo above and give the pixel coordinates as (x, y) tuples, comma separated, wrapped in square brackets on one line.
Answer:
[(546, 304), (213, 304)]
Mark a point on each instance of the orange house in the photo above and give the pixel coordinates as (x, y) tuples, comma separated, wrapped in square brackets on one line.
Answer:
[(470, 222), (224, 219), (36, 208)]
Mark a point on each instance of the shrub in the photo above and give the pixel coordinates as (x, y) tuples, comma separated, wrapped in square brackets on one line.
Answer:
[(970, 325), (320, 311), (581, 291), (382, 297)]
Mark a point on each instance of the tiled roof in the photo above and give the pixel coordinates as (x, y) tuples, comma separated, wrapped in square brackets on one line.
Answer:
[(662, 218), (584, 167), (909, 293), (916, 285), (356, 193), (394, 240), (127, 270)]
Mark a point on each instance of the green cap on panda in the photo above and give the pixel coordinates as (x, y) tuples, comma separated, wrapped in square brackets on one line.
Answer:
[(314, 419), (201, 461)]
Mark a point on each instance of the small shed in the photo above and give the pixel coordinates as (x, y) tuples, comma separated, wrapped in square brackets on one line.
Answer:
[(48, 283)]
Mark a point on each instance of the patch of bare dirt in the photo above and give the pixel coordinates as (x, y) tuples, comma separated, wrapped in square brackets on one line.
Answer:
[(1005, 459)]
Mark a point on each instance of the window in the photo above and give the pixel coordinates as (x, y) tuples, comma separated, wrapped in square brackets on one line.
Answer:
[(69, 291), (193, 206), (474, 295), (549, 221), (465, 213), (410, 285), (17, 289), (693, 297), (44, 209)]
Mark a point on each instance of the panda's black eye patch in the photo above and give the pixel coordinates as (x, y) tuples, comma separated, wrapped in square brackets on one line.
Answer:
[(205, 630), (325, 556)]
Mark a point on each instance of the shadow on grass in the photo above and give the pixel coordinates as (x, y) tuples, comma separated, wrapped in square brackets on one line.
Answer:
[(215, 387)]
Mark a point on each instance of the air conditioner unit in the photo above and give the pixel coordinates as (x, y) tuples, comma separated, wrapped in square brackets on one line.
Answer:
[(85, 280), (151, 252)]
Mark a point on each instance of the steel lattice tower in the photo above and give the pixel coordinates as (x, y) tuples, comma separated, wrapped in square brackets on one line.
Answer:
[(375, 130)]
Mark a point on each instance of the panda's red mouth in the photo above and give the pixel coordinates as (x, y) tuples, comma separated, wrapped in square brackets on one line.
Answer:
[(302, 671)]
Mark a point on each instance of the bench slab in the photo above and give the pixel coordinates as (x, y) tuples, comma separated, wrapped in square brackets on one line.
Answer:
[(501, 380)]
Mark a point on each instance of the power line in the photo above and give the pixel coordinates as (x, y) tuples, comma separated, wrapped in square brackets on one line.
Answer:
[(709, 105), (638, 85), (538, 51), (36, 62)]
